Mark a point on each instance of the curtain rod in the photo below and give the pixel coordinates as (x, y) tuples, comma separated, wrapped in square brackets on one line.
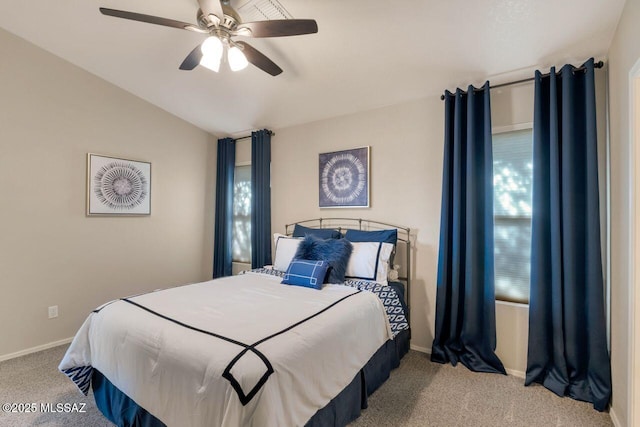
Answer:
[(271, 133), (598, 64)]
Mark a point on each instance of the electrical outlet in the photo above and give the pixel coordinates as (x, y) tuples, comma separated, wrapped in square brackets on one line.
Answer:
[(53, 311)]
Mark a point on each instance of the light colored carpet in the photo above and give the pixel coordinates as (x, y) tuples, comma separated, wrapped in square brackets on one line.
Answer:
[(419, 393), (35, 379)]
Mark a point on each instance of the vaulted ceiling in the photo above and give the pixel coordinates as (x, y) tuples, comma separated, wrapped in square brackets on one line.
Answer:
[(366, 54)]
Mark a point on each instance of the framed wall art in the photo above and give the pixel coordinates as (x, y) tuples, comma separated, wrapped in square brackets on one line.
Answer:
[(344, 178), (118, 186)]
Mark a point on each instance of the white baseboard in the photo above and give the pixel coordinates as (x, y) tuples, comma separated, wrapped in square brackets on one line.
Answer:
[(515, 373), (420, 349), (614, 418), (35, 349)]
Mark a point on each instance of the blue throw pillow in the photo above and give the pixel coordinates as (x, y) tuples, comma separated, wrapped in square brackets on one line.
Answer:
[(307, 273), (335, 251), (321, 233), (383, 236)]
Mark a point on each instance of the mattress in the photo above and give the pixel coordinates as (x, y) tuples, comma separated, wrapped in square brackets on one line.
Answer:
[(203, 354)]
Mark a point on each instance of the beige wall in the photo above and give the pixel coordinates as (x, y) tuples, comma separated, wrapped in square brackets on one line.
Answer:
[(623, 55), (209, 209), (406, 177), (634, 342), (243, 151), (51, 115)]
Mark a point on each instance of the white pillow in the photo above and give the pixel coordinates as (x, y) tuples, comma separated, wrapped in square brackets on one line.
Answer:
[(369, 261), (286, 248)]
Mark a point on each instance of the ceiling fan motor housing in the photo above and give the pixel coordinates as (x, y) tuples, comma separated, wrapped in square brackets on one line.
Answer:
[(229, 22)]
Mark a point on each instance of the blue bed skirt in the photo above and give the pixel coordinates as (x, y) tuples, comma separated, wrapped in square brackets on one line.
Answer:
[(344, 408)]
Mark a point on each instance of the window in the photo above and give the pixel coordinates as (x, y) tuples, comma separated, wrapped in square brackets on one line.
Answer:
[(512, 178), (242, 214)]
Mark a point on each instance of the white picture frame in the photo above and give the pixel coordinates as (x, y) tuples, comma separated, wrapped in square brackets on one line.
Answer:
[(344, 178), (117, 186)]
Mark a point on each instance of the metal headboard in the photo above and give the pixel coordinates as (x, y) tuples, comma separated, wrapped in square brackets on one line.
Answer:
[(342, 224)]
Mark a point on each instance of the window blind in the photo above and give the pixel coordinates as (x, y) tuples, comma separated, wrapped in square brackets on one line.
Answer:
[(241, 248), (512, 179)]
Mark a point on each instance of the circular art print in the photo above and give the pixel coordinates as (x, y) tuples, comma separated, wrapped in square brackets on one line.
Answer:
[(118, 186), (344, 178)]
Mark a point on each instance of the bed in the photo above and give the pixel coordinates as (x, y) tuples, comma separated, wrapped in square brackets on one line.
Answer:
[(249, 351)]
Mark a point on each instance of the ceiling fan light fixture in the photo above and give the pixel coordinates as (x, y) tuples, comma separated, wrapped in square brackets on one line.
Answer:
[(210, 62), (212, 50), (237, 59), (212, 47)]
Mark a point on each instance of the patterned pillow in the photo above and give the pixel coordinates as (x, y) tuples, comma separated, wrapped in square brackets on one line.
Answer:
[(307, 273), (335, 251)]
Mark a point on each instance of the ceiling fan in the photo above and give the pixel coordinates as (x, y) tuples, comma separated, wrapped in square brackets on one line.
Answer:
[(222, 23)]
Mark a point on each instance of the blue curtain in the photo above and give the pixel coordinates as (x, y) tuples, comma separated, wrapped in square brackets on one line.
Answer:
[(222, 255), (465, 302), (567, 338), (260, 198)]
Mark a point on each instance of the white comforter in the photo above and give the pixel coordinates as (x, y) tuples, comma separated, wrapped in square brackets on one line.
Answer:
[(176, 372)]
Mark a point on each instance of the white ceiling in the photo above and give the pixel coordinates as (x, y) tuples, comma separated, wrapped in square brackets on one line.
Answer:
[(367, 53)]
